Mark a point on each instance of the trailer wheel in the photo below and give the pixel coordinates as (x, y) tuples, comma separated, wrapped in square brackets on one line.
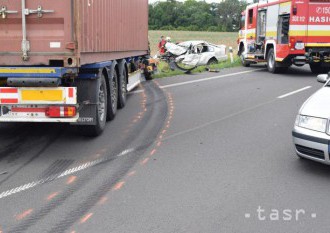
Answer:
[(113, 97), (271, 62), (316, 68), (101, 112), (147, 74), (122, 90)]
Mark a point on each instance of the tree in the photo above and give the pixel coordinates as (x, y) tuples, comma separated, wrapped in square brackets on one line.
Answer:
[(230, 14), (196, 15)]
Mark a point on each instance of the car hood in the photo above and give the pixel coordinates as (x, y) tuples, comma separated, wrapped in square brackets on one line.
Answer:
[(318, 105)]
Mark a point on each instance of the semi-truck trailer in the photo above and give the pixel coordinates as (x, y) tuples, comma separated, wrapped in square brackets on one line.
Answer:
[(70, 61)]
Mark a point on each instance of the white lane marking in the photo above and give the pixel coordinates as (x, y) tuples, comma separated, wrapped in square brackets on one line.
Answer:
[(293, 92), (211, 78), (125, 152), (61, 175)]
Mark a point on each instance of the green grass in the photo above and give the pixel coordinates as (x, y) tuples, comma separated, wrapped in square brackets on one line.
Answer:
[(227, 38)]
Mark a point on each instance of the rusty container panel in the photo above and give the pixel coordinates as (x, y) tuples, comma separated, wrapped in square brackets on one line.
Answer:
[(71, 33), (47, 31), (112, 29)]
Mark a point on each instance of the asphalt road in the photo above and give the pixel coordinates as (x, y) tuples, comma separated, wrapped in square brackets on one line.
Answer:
[(199, 153)]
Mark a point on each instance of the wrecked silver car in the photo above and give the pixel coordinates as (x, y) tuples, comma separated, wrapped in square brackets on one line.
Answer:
[(190, 54)]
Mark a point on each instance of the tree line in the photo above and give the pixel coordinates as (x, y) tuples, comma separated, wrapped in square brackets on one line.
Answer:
[(192, 15)]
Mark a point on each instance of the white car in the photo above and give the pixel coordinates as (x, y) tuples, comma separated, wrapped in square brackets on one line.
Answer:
[(311, 133), (197, 53)]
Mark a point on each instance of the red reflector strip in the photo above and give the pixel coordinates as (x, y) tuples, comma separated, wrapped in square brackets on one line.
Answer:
[(9, 101), (70, 92), (39, 110), (8, 90)]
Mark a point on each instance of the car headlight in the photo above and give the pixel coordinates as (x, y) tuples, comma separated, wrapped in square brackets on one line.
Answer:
[(313, 123), (299, 46)]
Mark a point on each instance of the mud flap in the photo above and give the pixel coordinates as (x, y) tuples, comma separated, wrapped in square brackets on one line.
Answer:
[(87, 99)]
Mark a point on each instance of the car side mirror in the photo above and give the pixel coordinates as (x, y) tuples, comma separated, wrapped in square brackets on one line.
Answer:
[(322, 78)]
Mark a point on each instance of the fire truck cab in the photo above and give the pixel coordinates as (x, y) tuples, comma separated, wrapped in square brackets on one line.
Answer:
[(286, 32)]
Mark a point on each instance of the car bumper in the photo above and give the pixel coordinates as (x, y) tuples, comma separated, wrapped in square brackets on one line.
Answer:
[(311, 145)]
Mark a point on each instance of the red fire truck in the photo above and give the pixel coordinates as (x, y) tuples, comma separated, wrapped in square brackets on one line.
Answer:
[(286, 32)]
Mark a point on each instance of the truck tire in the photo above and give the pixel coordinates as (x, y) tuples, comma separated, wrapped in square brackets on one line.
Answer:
[(122, 90), (101, 111), (147, 74), (316, 68), (112, 104), (272, 64), (243, 61)]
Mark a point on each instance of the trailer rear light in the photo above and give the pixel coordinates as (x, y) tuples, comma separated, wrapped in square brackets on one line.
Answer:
[(61, 112)]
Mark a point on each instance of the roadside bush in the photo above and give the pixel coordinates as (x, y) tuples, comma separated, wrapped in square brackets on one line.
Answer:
[(167, 28)]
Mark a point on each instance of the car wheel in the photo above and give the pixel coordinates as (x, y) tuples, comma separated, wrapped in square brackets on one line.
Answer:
[(212, 61)]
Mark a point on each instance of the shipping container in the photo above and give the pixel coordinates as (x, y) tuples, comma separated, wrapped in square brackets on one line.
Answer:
[(70, 61), (71, 33)]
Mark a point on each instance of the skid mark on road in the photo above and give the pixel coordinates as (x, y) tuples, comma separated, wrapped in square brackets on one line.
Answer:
[(49, 141), (132, 173), (57, 167), (68, 172), (52, 196), (102, 201), (86, 218), (119, 185), (139, 116), (71, 179), (159, 140), (24, 214), (145, 161), (142, 137), (153, 150)]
